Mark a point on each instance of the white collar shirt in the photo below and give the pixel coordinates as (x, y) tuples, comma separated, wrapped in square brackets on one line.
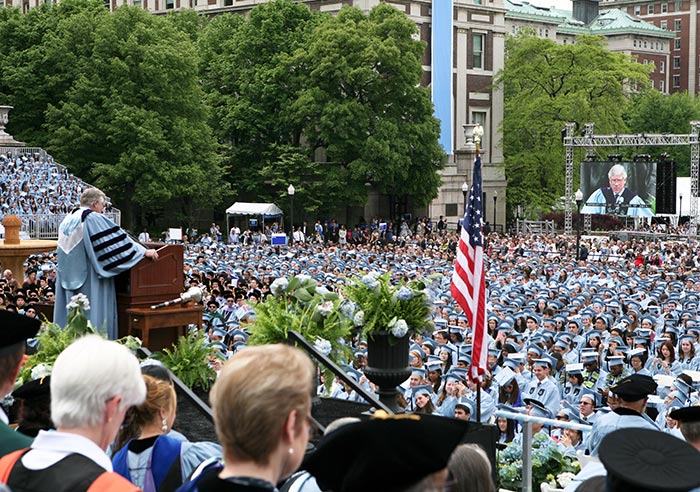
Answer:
[(50, 447)]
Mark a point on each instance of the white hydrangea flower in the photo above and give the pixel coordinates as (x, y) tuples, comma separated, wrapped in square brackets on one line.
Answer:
[(279, 286), (41, 371), (359, 318), (79, 301), (399, 329), (323, 346), (325, 308)]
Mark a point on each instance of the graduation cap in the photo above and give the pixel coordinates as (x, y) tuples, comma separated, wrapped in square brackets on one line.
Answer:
[(616, 360), (648, 460), (535, 349), (423, 389), (635, 352), (456, 374), (34, 389), (574, 369), (434, 365), (635, 387), (16, 329), (468, 404), (363, 457), (537, 408)]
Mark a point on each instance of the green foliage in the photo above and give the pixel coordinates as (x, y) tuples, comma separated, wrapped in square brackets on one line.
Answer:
[(381, 306), (545, 86), (117, 98), (189, 360), (327, 103), (298, 303), (139, 97), (53, 339), (653, 112)]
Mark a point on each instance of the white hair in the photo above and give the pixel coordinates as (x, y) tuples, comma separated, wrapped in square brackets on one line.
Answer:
[(86, 375), (617, 170)]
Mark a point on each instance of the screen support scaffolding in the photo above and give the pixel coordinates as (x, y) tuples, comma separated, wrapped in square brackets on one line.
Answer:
[(589, 141)]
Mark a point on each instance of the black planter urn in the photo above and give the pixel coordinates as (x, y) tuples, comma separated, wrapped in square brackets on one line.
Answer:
[(387, 366)]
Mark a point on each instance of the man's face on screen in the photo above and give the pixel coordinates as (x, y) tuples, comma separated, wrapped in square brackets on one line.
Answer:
[(617, 183)]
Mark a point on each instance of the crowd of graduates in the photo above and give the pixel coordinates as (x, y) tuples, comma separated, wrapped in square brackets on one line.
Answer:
[(574, 340)]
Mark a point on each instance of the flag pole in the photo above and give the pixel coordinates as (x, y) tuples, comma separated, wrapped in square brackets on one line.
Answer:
[(468, 285), (477, 141)]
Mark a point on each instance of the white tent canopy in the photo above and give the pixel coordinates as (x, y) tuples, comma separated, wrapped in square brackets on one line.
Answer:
[(264, 209)]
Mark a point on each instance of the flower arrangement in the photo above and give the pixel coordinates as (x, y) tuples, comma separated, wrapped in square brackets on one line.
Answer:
[(298, 303), (379, 306), (52, 339), (547, 463)]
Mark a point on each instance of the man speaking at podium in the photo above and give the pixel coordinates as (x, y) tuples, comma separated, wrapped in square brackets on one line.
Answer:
[(92, 250)]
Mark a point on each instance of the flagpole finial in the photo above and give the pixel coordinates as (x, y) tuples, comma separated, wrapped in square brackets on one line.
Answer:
[(478, 133)]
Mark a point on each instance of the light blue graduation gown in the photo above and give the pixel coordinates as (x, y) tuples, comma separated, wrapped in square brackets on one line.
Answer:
[(92, 250)]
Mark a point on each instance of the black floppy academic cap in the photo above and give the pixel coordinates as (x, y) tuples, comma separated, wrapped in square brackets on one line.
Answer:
[(686, 414), (645, 460), (635, 387), (386, 453), (36, 388), (15, 329)]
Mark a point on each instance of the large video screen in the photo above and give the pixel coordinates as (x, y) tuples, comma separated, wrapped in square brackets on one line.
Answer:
[(619, 188)]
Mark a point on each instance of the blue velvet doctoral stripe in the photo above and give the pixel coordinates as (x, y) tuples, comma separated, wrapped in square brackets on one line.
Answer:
[(442, 69)]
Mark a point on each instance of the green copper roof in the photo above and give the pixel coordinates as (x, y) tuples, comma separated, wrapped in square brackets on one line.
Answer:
[(608, 22)]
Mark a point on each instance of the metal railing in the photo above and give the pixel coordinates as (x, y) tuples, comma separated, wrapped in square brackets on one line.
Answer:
[(527, 421), (535, 226), (24, 150), (45, 226)]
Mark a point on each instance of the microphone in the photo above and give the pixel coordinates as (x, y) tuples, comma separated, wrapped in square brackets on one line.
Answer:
[(193, 294)]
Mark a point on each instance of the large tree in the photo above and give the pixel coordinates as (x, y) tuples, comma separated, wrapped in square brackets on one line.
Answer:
[(547, 85), (328, 104), (653, 112), (134, 121), (42, 54)]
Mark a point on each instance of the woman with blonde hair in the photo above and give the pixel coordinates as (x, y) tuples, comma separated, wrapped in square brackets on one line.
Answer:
[(155, 461), (262, 411)]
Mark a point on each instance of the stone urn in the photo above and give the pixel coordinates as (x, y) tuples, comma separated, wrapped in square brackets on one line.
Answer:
[(387, 366)]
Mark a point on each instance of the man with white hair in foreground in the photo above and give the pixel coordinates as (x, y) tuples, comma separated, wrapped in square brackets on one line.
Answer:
[(93, 383)]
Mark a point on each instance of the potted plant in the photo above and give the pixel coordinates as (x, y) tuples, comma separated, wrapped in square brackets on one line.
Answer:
[(387, 315), (298, 303), (189, 360)]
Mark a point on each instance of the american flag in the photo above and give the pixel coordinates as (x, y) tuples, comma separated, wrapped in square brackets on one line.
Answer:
[(467, 285)]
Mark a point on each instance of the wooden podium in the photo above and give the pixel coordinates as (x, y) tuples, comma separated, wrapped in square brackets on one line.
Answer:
[(148, 283)]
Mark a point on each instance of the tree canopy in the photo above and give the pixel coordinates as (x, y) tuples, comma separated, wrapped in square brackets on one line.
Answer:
[(547, 85), (653, 112), (172, 111), (326, 103)]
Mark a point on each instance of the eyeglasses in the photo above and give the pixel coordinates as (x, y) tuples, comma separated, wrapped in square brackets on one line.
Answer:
[(585, 403)]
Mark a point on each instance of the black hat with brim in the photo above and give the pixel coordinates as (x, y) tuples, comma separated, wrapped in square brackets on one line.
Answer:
[(635, 387), (15, 329), (686, 414), (384, 454), (647, 460)]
